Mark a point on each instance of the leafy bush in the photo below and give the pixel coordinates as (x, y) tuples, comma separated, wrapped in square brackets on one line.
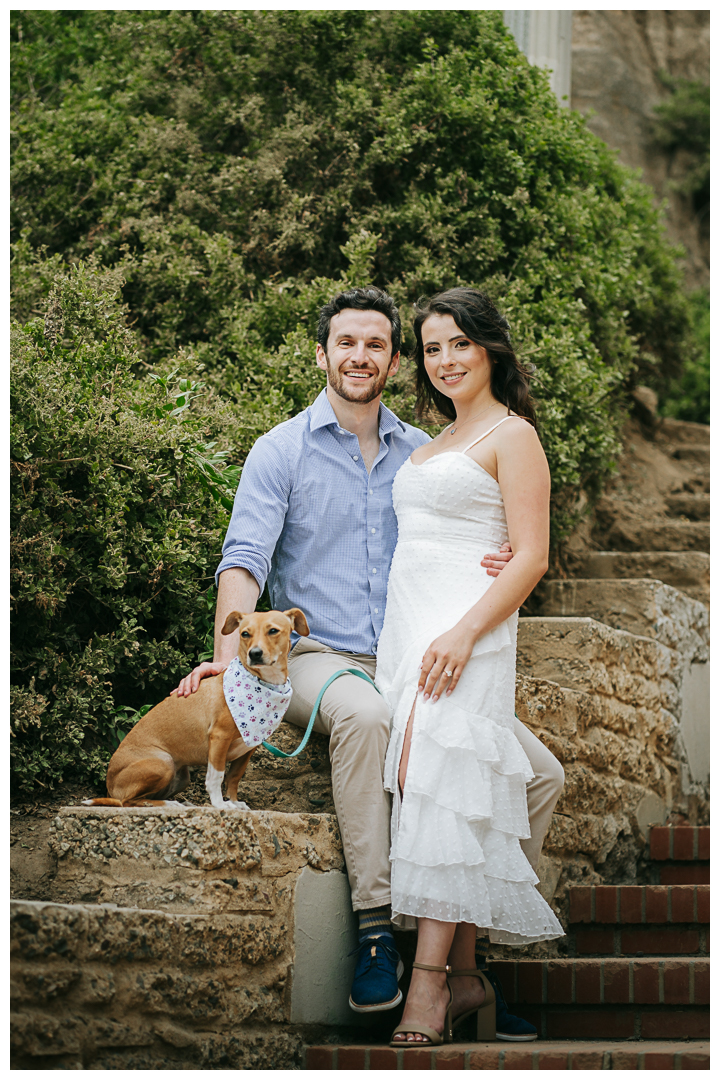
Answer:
[(116, 526), (688, 396), (683, 123)]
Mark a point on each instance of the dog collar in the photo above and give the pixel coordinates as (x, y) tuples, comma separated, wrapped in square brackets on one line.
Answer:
[(257, 707)]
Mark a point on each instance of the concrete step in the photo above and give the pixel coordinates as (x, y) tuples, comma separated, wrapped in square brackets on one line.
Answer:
[(673, 535), (623, 532), (697, 453), (550, 1054), (688, 571), (683, 431), (695, 507), (641, 606)]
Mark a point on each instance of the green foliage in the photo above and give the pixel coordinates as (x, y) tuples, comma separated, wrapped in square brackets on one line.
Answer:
[(117, 517), (229, 171), (688, 397), (683, 123)]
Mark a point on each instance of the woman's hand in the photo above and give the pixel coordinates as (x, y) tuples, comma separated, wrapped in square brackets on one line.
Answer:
[(448, 654)]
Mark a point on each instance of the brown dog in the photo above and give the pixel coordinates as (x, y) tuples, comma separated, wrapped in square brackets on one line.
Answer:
[(153, 761)]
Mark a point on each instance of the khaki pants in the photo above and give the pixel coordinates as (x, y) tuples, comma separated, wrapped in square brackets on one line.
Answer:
[(358, 722)]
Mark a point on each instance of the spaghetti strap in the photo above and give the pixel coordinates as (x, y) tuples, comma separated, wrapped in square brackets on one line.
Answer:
[(509, 416)]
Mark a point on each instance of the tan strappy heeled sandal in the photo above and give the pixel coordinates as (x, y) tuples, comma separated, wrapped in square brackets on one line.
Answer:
[(436, 1039), (485, 1012)]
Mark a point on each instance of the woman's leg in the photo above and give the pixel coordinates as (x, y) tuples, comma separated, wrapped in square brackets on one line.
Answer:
[(428, 996), (468, 992), (405, 756)]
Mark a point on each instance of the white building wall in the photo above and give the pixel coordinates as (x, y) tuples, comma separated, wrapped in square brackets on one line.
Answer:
[(546, 39)]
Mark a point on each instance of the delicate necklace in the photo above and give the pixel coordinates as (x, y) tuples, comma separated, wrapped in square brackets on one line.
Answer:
[(475, 417)]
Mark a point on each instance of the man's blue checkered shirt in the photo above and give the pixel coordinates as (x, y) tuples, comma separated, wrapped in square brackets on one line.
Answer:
[(311, 521)]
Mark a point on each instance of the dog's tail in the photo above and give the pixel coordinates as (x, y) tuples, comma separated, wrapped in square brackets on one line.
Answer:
[(101, 802)]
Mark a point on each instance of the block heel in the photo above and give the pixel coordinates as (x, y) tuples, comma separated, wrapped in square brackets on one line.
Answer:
[(485, 1013)]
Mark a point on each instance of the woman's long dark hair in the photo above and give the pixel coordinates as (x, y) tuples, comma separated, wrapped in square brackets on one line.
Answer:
[(478, 318)]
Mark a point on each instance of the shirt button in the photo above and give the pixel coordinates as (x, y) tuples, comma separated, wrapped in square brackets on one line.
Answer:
[(370, 491), (376, 610), (374, 570), (355, 457), (372, 530)]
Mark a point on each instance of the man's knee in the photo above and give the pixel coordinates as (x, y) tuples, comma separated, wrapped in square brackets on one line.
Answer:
[(368, 720), (549, 773), (553, 776)]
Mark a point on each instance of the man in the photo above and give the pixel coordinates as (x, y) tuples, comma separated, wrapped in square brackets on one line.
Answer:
[(313, 517)]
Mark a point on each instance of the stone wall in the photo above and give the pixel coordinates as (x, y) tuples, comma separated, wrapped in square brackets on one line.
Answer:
[(172, 939), (617, 60)]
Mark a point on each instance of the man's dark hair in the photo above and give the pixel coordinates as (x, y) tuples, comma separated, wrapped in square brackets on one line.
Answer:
[(366, 299)]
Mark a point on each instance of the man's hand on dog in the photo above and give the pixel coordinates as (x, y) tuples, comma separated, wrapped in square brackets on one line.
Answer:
[(496, 560), (191, 682)]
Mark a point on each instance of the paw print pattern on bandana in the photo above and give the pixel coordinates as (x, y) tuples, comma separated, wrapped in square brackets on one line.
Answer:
[(256, 707)]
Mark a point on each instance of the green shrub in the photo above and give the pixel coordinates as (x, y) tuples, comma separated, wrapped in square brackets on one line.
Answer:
[(116, 524), (688, 396)]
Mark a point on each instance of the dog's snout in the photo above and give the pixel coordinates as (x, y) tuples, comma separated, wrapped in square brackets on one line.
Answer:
[(255, 655)]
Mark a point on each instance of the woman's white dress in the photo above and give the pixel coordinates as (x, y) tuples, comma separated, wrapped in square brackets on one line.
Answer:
[(455, 853)]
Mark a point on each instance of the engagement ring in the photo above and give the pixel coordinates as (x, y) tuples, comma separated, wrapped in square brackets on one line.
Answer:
[(448, 673)]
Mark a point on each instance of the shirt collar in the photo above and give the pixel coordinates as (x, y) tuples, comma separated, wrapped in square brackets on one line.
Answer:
[(322, 415)]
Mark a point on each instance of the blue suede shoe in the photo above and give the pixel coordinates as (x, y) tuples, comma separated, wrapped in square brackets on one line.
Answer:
[(378, 968), (508, 1027)]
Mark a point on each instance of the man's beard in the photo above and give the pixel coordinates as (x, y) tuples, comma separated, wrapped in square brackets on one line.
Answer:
[(371, 389)]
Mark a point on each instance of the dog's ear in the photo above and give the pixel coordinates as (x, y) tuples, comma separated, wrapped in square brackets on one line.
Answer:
[(298, 620), (232, 622)]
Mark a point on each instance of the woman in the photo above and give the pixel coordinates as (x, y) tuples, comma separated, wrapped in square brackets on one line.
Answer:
[(446, 665)]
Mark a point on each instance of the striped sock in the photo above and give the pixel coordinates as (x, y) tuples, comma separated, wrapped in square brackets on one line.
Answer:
[(482, 948), (374, 921)]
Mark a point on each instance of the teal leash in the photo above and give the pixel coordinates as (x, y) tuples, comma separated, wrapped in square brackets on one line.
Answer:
[(308, 731)]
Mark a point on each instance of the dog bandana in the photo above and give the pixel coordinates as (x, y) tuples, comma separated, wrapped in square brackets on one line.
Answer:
[(257, 707)]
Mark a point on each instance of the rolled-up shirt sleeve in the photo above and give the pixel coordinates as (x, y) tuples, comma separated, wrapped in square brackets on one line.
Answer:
[(259, 511)]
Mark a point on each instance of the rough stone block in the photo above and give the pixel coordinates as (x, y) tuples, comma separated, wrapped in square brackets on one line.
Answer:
[(644, 607)]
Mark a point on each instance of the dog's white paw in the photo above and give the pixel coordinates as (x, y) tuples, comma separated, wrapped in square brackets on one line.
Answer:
[(238, 805)]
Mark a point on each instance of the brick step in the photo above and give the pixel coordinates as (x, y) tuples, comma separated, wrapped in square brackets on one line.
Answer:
[(680, 843), (680, 854), (604, 982), (640, 940), (642, 606), (655, 904), (560, 1054), (696, 507), (691, 873), (688, 571)]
